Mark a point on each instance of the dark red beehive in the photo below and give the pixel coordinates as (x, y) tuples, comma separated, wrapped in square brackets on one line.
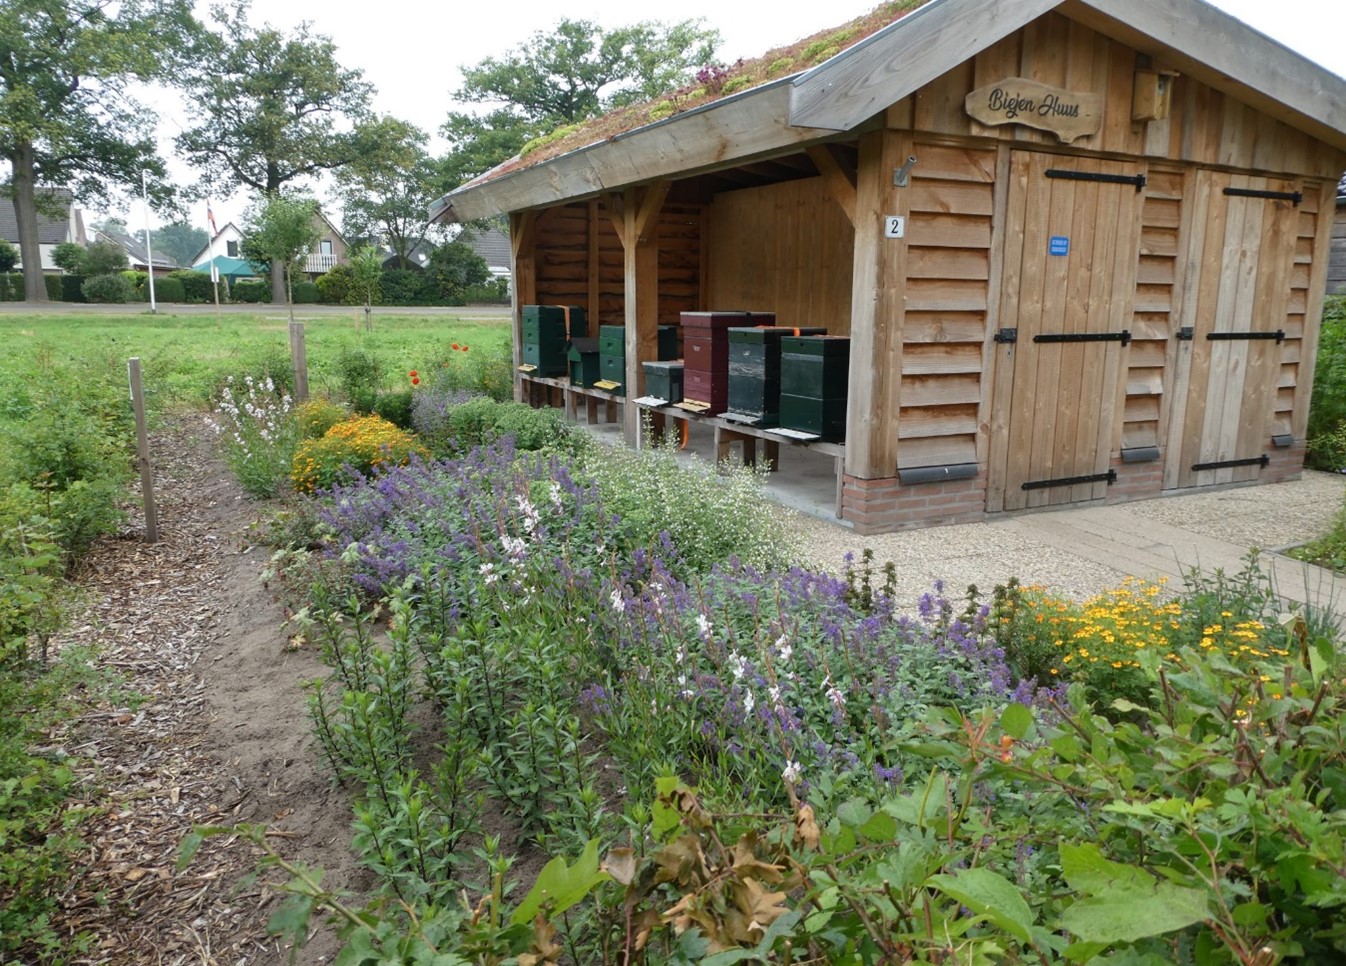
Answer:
[(705, 352)]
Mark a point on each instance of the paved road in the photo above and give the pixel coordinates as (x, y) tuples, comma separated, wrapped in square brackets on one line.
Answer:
[(301, 312)]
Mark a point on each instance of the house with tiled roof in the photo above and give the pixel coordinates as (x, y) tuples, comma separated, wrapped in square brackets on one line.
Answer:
[(136, 255), (65, 224), (1077, 249)]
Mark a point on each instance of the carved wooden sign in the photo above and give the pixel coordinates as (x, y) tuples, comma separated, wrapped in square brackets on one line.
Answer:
[(1018, 100)]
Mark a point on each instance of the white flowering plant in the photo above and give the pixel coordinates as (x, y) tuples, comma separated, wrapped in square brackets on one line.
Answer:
[(255, 424)]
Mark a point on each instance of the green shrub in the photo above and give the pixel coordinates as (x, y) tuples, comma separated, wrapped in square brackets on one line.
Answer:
[(169, 289), (1327, 413), (359, 375), (358, 445), (487, 370), (395, 407), (315, 417), (710, 513), (11, 287), (494, 292), (64, 288), (306, 293), (401, 286), (196, 286), (103, 258), (482, 420), (334, 286), (139, 282), (9, 257), (270, 362), (106, 289), (251, 290)]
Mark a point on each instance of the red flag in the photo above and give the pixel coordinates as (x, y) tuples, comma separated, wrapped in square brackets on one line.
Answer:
[(210, 216)]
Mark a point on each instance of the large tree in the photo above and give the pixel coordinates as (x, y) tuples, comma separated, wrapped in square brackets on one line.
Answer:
[(389, 200), (179, 240), (67, 115), (562, 76), (270, 111)]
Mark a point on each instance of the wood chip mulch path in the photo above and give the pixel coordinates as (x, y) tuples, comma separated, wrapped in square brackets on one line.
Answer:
[(150, 611)]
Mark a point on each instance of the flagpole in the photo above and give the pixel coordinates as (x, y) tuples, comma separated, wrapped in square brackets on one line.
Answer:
[(149, 250), (214, 269)]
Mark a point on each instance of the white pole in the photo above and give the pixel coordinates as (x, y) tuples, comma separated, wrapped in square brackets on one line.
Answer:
[(214, 269), (149, 252)]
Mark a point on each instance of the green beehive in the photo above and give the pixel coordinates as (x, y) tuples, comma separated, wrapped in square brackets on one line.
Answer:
[(546, 331), (583, 358), (754, 370), (612, 356), (813, 382), (663, 380)]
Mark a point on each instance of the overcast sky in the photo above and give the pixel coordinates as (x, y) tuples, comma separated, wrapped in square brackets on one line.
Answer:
[(412, 52)]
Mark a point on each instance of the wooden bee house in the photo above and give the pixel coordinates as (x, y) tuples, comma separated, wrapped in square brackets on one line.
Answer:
[(1079, 247)]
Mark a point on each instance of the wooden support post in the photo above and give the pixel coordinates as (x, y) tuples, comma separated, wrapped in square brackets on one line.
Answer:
[(522, 231), (143, 453), (878, 308), (639, 216), (299, 362)]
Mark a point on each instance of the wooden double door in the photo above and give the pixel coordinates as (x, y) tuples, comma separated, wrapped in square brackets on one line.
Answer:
[(1072, 249), (1233, 314)]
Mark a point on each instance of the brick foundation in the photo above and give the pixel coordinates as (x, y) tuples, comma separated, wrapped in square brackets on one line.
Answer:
[(885, 505), (1136, 481), (1287, 463)]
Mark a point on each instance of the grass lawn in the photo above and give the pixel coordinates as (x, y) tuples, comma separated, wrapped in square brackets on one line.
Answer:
[(185, 357)]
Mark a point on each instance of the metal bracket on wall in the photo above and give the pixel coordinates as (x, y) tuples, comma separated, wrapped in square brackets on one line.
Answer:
[(1294, 196), (1278, 335), (1007, 335), (1262, 460), (1186, 333), (1124, 337), (1134, 179), (1110, 477)]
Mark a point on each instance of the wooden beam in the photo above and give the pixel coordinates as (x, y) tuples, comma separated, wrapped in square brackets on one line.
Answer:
[(650, 206), (616, 208), (641, 295), (522, 238), (593, 283), (521, 228), (877, 310), (840, 182)]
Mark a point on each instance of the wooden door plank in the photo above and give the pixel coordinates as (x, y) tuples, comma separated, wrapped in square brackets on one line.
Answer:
[(1275, 264), (1192, 249), (1119, 308), (995, 273), (1034, 211), (1006, 274), (1212, 279), (1051, 358), (1248, 261), (1075, 378)]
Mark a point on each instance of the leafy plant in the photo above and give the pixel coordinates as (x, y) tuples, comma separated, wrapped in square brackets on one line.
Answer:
[(256, 427), (358, 445), (106, 288)]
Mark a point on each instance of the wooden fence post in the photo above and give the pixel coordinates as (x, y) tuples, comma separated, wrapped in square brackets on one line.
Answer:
[(143, 453), (299, 361)]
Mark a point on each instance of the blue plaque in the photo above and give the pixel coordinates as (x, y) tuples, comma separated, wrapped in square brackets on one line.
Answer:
[(1059, 245)]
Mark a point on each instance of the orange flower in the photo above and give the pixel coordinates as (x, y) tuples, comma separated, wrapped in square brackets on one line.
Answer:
[(454, 346), (415, 381)]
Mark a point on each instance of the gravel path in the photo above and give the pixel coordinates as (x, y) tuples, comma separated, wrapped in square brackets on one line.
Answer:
[(1037, 548)]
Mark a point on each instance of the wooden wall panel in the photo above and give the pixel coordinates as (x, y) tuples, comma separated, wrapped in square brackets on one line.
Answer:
[(1204, 126), (784, 248), (579, 261), (1152, 322), (1336, 270), (949, 267)]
